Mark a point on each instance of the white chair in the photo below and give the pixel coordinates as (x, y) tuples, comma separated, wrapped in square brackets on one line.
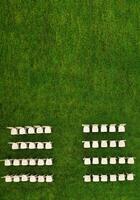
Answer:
[(30, 130), (104, 178), (15, 146), (21, 130), (41, 178), (104, 143), (121, 177), (16, 178), (87, 178), (40, 145), (49, 178), (104, 161), (130, 177), (95, 178), (23, 145), (95, 128), (104, 128), (113, 160), (49, 161), (7, 162), (121, 127), (14, 131), (112, 143), (86, 144), (32, 162), (48, 145), (24, 162), (47, 129), (24, 178), (95, 161), (130, 160), (95, 144), (86, 128), (113, 177), (112, 128), (16, 162), (39, 129), (32, 178), (122, 160), (87, 161), (32, 145), (8, 178), (121, 143), (40, 162)]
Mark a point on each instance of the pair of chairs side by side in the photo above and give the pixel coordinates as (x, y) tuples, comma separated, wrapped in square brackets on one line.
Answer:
[(30, 130), (28, 178), (109, 160), (104, 128), (109, 177), (28, 162), (104, 143), (31, 145)]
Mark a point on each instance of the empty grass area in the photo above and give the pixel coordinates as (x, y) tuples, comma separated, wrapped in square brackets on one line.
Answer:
[(64, 63)]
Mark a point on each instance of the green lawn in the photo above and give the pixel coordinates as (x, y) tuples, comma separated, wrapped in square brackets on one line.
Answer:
[(64, 63)]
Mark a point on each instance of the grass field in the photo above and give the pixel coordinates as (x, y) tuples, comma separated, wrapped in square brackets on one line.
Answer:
[(64, 63)]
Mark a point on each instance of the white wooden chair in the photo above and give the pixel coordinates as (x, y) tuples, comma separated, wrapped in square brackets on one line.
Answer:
[(104, 143), (130, 177), (40, 178), (95, 144), (15, 145), (95, 161), (95, 178), (23, 145), (86, 144), (104, 178), (49, 178), (40, 162), (30, 129), (21, 130), (24, 178), (130, 160), (113, 177), (32, 162), (48, 145), (112, 143), (87, 178), (40, 145), (121, 127), (49, 161), (87, 161), (32, 145), (112, 160), (39, 129), (16, 162), (32, 178), (104, 128), (47, 129), (14, 131), (95, 128), (8, 178), (121, 143), (121, 177), (8, 162), (86, 128), (16, 178), (104, 161), (24, 162), (112, 128), (122, 160)]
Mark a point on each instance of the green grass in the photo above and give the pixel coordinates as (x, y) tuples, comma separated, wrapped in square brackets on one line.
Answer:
[(65, 63)]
